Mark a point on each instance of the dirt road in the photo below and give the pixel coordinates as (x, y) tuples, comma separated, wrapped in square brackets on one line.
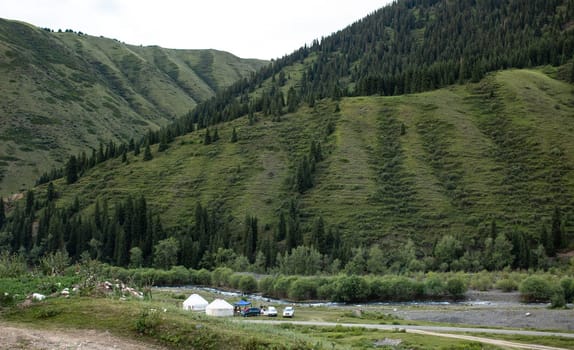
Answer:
[(22, 337)]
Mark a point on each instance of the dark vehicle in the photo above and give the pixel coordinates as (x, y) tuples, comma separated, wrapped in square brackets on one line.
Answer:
[(252, 311)]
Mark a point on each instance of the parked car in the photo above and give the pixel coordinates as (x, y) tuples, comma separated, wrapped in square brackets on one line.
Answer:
[(252, 311), (289, 311), (271, 311)]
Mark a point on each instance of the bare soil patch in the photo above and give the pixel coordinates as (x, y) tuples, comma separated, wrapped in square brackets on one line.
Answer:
[(24, 337)]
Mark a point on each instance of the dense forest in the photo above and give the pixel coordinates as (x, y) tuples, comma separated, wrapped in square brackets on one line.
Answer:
[(404, 48)]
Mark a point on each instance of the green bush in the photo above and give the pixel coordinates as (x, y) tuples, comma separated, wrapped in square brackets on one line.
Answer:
[(326, 291), (234, 280), (303, 289), (351, 289), (434, 286), (220, 276), (282, 285), (567, 285), (405, 289), (506, 285), (148, 322), (266, 285), (535, 289), (455, 287), (12, 265), (178, 275), (247, 284), (557, 299), (201, 277)]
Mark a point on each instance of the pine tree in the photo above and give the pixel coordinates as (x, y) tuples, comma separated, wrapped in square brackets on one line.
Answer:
[(547, 242), (2, 213), (50, 192), (281, 228), (556, 232), (215, 136), (234, 136), (30, 203), (72, 170), (207, 137), (147, 153)]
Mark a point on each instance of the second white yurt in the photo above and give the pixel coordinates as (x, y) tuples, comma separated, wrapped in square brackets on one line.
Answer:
[(195, 302), (219, 307)]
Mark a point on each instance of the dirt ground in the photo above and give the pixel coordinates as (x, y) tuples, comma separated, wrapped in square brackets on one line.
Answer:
[(34, 339)]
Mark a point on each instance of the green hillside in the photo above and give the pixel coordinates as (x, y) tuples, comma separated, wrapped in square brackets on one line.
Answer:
[(421, 166), (422, 137), (65, 92)]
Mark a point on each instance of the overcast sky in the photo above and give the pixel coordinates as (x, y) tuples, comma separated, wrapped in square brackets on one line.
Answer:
[(247, 28)]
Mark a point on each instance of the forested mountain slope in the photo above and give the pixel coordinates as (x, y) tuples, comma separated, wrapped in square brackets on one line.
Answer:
[(63, 92), (416, 131)]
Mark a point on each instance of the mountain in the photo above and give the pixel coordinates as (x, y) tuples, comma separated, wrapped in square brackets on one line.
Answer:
[(65, 92), (438, 131)]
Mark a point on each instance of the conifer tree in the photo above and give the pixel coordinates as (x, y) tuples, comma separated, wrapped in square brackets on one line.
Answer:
[(50, 193), (281, 228), (30, 203), (147, 153), (234, 135), (547, 241), (2, 213), (556, 229), (207, 138), (72, 170)]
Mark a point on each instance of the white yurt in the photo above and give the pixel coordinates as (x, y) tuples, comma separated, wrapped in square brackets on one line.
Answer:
[(219, 307), (195, 302)]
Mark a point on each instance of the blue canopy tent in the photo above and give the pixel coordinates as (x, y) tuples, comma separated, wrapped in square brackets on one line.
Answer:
[(242, 303)]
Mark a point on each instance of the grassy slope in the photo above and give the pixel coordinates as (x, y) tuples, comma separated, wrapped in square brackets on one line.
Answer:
[(499, 150), (175, 328), (63, 93)]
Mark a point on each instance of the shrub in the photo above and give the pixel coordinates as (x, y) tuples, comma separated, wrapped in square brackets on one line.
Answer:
[(266, 285), (12, 265), (481, 281), (405, 289), (455, 287), (220, 276), (147, 322), (535, 289), (557, 299), (282, 285), (234, 280), (247, 284), (506, 285), (326, 291), (567, 285), (202, 277), (351, 289), (434, 286), (178, 275), (303, 289)]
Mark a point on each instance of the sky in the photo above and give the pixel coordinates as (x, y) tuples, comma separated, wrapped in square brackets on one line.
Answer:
[(261, 29)]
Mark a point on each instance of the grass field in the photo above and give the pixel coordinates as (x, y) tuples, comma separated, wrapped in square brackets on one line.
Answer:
[(161, 321)]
